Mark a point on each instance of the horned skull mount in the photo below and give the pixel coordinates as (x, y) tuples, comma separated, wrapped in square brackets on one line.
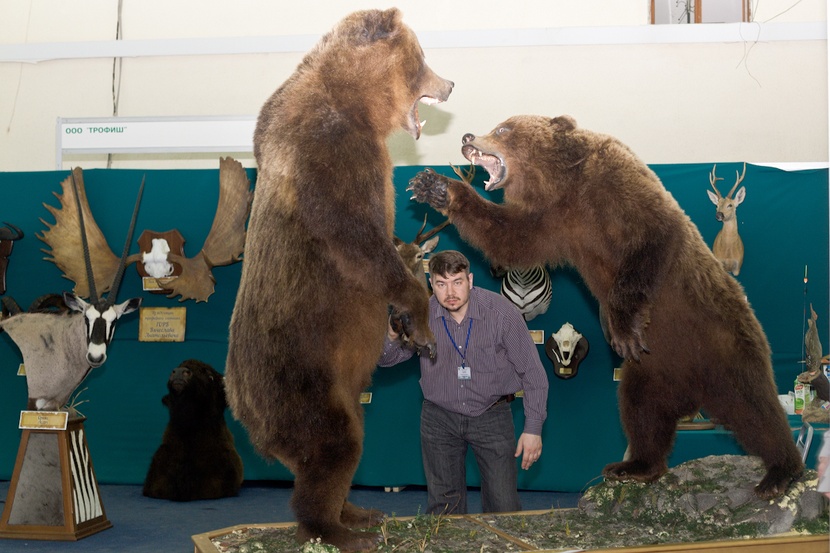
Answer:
[(566, 338), (566, 348), (8, 235)]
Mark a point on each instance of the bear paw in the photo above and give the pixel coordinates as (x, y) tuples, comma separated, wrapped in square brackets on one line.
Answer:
[(419, 338), (638, 471), (430, 188), (347, 541), (776, 481), (353, 516)]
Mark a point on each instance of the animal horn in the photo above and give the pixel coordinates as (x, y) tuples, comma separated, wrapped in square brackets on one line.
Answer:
[(713, 179), (116, 282), (11, 232), (93, 294), (738, 179), (421, 238)]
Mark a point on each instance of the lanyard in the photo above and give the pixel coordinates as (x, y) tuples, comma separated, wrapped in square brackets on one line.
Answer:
[(467, 343)]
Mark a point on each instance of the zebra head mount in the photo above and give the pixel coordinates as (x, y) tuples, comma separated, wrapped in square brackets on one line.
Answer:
[(100, 313), (529, 288)]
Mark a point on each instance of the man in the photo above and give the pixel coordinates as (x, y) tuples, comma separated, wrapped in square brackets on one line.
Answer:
[(484, 356)]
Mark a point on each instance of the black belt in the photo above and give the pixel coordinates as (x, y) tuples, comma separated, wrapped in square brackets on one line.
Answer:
[(504, 399)]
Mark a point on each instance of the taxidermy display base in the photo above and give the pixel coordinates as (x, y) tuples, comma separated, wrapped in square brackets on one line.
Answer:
[(705, 505), (53, 493)]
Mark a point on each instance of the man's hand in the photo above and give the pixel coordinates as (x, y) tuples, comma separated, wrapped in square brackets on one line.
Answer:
[(531, 446)]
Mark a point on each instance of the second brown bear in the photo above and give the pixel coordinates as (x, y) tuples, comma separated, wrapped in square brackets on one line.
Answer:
[(688, 336)]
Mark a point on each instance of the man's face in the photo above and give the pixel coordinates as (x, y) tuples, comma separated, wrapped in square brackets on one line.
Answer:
[(452, 291)]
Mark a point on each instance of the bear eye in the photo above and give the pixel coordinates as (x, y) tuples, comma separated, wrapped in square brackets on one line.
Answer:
[(502, 130)]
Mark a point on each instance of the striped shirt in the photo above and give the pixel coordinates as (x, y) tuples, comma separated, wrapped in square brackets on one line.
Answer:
[(501, 356)]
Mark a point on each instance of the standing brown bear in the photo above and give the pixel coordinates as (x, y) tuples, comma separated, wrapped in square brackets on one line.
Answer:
[(688, 336), (320, 266)]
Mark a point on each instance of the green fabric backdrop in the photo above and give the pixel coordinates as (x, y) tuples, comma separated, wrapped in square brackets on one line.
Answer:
[(783, 222)]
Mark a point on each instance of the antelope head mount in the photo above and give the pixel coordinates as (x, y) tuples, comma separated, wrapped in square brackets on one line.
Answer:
[(224, 244), (728, 246), (100, 313)]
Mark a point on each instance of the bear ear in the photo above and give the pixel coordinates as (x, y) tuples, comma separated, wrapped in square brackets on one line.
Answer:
[(563, 123), (379, 25)]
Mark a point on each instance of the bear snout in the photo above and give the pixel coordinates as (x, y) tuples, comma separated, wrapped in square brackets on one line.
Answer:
[(467, 138)]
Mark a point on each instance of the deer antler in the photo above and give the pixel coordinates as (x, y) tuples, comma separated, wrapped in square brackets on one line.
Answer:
[(466, 176), (64, 239), (738, 180), (225, 241), (423, 237), (713, 179)]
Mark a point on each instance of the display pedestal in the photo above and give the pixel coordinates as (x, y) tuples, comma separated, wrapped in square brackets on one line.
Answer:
[(53, 493)]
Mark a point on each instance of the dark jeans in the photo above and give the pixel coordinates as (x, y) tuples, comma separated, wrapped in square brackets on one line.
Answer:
[(444, 440)]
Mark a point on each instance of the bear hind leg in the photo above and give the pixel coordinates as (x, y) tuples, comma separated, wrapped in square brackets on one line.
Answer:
[(650, 425), (761, 427), (315, 504), (323, 478)]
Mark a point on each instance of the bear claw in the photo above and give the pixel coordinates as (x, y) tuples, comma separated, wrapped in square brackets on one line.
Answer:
[(429, 187)]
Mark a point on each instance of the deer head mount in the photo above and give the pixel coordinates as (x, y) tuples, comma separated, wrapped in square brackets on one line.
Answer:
[(412, 254), (8, 235), (224, 244), (728, 246)]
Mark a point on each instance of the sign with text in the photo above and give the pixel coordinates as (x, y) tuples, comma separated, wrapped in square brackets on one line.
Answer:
[(162, 324), (43, 420), (154, 134)]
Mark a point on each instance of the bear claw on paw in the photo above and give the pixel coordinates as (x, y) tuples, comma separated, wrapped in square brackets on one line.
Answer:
[(774, 485), (347, 541), (632, 470), (353, 516), (429, 187)]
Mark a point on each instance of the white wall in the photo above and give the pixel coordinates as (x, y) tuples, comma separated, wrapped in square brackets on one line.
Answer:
[(754, 92)]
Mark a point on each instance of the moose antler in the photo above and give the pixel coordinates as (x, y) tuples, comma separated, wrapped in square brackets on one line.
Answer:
[(225, 241), (224, 244), (64, 239)]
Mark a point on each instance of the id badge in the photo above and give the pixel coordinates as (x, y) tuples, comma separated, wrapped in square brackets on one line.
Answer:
[(464, 373)]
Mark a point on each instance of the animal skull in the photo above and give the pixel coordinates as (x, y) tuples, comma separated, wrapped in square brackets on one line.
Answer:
[(155, 261), (566, 338)]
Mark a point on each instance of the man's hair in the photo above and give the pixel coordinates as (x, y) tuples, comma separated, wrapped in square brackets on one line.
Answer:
[(448, 262)]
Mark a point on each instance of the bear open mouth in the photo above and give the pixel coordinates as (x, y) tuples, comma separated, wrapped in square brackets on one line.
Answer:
[(415, 122), (492, 163)]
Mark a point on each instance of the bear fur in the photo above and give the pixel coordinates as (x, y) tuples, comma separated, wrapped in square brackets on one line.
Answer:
[(320, 266), (682, 324), (197, 458)]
